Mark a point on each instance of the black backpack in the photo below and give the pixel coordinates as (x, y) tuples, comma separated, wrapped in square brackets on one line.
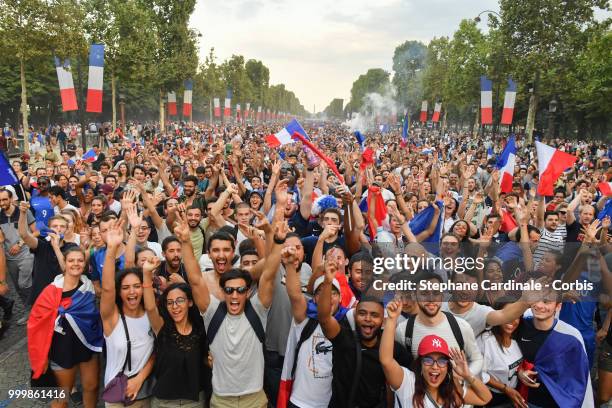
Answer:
[(451, 320), (250, 314)]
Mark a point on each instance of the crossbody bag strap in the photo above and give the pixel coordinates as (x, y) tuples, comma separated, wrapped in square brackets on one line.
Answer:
[(128, 357), (430, 398)]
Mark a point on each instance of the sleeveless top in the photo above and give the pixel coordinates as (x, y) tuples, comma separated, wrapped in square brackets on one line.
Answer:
[(142, 339)]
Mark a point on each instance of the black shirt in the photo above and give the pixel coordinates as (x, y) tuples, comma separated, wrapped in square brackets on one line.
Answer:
[(46, 266), (187, 355), (530, 340), (371, 391)]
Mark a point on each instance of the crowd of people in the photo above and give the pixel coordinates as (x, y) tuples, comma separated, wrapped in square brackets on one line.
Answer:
[(198, 266)]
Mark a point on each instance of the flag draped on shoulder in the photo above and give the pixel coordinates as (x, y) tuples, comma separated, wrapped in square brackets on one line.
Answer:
[(80, 312), (95, 81), (66, 85), (551, 164), (506, 164)]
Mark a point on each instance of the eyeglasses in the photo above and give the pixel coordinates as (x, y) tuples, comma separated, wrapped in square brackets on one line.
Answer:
[(179, 301), (563, 212), (441, 362), (241, 290)]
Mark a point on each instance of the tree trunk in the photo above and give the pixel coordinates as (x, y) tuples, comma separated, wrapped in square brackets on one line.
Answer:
[(444, 122), (162, 126), (533, 106), (114, 100), (24, 107), (476, 127)]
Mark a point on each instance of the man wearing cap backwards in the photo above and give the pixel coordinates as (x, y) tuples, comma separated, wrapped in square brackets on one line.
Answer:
[(358, 377), (433, 383)]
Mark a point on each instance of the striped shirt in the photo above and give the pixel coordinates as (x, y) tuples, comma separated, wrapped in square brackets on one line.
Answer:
[(549, 241)]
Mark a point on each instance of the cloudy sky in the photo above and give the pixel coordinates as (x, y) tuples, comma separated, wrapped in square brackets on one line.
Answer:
[(317, 48)]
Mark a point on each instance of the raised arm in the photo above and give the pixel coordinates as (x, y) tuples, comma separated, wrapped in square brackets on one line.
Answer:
[(108, 307), (151, 264), (201, 295), (294, 289), (329, 324), (477, 393), (266, 281), (306, 199), (22, 226), (134, 220), (267, 204), (393, 371)]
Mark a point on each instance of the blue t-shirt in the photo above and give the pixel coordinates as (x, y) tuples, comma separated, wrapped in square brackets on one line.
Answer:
[(97, 263), (43, 211)]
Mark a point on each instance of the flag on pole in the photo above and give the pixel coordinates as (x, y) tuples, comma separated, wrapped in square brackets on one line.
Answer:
[(172, 103), (89, 156), (95, 80), (217, 104), (66, 85), (187, 97), (284, 136), (258, 117), (605, 188), (297, 135), (509, 100), (506, 164), (436, 114), (360, 139), (486, 101), (227, 111), (551, 164), (423, 117)]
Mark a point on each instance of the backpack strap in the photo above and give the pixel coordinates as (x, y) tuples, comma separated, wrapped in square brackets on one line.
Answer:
[(409, 332), (455, 328), (128, 356), (357, 374), (307, 331), (255, 321), (203, 239), (215, 322)]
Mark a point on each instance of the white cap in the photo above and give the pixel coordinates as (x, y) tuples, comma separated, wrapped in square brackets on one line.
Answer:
[(321, 279)]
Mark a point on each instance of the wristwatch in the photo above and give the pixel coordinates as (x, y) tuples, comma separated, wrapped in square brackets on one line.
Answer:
[(20, 243)]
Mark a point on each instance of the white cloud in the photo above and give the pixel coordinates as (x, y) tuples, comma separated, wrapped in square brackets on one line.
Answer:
[(317, 48)]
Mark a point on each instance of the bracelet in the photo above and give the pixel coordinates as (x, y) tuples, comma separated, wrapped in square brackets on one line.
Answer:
[(279, 241), (145, 285)]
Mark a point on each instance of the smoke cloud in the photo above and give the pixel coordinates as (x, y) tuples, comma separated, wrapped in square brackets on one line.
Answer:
[(377, 109)]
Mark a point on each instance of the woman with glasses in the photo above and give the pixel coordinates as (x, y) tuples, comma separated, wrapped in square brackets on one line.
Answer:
[(432, 383), (181, 342)]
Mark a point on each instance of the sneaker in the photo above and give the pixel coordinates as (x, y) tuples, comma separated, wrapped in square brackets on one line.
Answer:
[(24, 320), (76, 397)]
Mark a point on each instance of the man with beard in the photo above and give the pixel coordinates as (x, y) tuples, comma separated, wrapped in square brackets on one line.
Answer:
[(19, 260), (172, 268), (197, 231), (358, 377), (430, 319), (189, 197)]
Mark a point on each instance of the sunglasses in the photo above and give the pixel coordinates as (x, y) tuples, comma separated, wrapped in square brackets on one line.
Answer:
[(441, 362), (241, 290), (179, 301), (563, 212)]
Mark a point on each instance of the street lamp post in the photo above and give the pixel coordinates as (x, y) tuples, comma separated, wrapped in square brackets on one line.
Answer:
[(475, 115), (478, 19), (122, 107), (552, 110)]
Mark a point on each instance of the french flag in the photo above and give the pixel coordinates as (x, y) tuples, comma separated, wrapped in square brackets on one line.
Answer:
[(405, 127), (551, 164), (95, 81), (509, 100), (227, 111), (238, 118), (217, 105), (423, 117), (66, 85), (285, 136), (605, 188), (360, 139), (187, 97), (486, 101), (172, 103), (90, 156), (506, 164), (436, 114)]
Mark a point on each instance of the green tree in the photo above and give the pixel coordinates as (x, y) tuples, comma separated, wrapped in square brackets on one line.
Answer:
[(408, 60), (375, 80), (259, 75), (334, 109)]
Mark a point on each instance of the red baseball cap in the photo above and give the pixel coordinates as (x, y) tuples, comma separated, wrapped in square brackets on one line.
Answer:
[(433, 344)]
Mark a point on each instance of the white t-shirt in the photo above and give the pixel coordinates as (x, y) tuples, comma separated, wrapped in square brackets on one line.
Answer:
[(238, 361), (476, 316), (406, 391), (157, 248), (498, 363), (57, 210), (115, 207), (312, 385)]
